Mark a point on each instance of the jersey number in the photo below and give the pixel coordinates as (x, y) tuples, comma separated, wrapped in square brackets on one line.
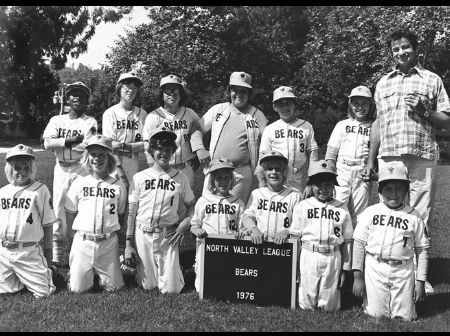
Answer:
[(302, 147), (286, 222), (232, 224), (337, 231), (112, 209), (30, 219)]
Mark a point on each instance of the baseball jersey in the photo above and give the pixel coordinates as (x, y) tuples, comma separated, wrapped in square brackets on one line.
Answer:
[(216, 214), (322, 223), (61, 127), (181, 123), (98, 203), (158, 195), (293, 140), (351, 138), (24, 212), (272, 210), (391, 234), (124, 126)]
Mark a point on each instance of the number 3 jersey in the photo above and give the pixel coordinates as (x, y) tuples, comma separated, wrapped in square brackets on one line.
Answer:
[(98, 203), (322, 223), (391, 234), (24, 212), (272, 210), (217, 214)]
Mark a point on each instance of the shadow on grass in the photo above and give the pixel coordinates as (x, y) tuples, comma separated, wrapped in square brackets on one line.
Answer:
[(434, 304), (439, 271)]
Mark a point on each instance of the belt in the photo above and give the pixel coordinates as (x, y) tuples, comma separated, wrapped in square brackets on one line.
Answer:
[(320, 248), (352, 162), (96, 237), (14, 245), (68, 163), (179, 166), (153, 229), (390, 262)]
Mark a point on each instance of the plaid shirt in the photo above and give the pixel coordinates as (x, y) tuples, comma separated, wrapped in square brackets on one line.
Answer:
[(402, 131)]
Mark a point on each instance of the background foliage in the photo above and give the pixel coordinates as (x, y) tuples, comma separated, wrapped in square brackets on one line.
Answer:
[(322, 51)]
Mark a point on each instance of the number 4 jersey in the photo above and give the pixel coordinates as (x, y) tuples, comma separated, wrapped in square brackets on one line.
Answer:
[(24, 211), (272, 210)]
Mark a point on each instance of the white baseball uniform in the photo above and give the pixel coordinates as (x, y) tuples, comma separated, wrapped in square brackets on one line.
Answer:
[(390, 238), (350, 138), (181, 123), (217, 215), (24, 212), (294, 140), (67, 168), (159, 196), (322, 227), (125, 127), (271, 210), (98, 204)]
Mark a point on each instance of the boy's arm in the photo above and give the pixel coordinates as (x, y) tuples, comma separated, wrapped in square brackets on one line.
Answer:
[(183, 226), (249, 223), (70, 217), (421, 274), (358, 268), (47, 243), (130, 254)]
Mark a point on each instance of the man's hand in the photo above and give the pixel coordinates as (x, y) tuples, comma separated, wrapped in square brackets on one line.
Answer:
[(203, 156), (131, 256), (281, 237), (257, 236), (418, 103), (419, 291), (359, 286), (195, 163)]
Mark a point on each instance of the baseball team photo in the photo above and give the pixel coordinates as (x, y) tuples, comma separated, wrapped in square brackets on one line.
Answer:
[(225, 168)]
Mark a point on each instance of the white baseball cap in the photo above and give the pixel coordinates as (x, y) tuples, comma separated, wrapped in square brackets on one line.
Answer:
[(171, 79), (361, 91), (392, 171), (130, 75), (283, 92), (20, 150), (100, 140), (241, 79), (162, 132), (220, 163), (80, 86), (272, 154)]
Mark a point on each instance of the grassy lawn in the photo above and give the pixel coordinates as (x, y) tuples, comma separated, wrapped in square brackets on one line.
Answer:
[(133, 309)]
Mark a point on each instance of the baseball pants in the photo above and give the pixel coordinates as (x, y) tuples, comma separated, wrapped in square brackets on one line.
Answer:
[(352, 190), (319, 279), (87, 256), (298, 179), (62, 180), (159, 265), (25, 267), (389, 289), (244, 185)]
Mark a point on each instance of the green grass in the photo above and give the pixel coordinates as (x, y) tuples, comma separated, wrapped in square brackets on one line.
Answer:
[(133, 309)]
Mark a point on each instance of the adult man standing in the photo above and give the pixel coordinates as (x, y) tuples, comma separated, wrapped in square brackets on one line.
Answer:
[(66, 136)]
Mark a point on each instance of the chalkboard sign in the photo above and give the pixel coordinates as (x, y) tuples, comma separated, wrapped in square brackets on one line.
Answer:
[(240, 271)]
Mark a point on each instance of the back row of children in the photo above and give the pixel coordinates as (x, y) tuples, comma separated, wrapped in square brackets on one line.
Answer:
[(160, 196)]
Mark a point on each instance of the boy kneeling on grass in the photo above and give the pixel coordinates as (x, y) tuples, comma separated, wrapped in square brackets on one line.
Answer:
[(156, 199), (269, 209), (386, 237), (325, 227)]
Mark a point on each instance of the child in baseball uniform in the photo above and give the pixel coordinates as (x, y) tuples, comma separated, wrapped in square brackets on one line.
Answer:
[(26, 230), (217, 210), (66, 136), (325, 230), (387, 236), (291, 136), (269, 209), (348, 150), (95, 206), (155, 225)]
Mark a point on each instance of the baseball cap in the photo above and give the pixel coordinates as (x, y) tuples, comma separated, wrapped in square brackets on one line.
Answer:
[(171, 79), (162, 132), (321, 167), (20, 150), (220, 163), (100, 140), (283, 92), (272, 154), (241, 79), (361, 91), (129, 75), (392, 171), (78, 85)]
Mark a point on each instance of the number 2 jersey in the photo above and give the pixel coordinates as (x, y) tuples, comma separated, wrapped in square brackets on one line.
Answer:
[(98, 203), (217, 214), (272, 210), (320, 223), (24, 212)]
